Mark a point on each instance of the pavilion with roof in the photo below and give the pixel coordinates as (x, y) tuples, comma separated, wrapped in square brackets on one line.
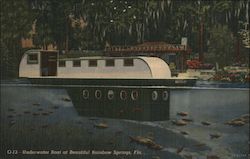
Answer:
[(174, 54)]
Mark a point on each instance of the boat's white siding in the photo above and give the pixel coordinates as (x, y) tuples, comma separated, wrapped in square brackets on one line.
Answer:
[(139, 70), (142, 68), (29, 70)]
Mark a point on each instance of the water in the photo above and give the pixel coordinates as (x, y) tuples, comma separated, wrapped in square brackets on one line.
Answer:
[(216, 84), (64, 129), (211, 104)]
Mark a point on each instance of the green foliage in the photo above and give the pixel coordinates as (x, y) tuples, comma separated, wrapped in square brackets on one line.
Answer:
[(221, 46), (16, 19), (16, 22), (53, 22), (120, 22)]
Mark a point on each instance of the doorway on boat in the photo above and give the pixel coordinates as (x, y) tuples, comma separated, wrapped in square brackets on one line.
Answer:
[(48, 63)]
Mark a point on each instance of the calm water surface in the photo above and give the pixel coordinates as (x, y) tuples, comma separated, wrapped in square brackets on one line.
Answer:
[(64, 129)]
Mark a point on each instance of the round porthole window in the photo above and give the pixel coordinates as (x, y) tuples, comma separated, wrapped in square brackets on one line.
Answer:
[(85, 94), (165, 95), (98, 94), (134, 95), (123, 95), (154, 95), (111, 94)]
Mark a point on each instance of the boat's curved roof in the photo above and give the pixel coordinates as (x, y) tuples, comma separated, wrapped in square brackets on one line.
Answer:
[(158, 67)]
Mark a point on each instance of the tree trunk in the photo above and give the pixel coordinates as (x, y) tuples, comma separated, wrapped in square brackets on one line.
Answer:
[(201, 55), (237, 51), (67, 36)]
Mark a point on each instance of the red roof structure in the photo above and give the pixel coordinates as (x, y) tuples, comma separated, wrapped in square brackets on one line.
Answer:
[(148, 47)]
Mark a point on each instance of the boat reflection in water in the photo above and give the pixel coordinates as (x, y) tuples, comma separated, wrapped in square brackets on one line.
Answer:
[(116, 87)]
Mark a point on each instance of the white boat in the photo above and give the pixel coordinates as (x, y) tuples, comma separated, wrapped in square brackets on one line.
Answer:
[(116, 87), (40, 66), (201, 74)]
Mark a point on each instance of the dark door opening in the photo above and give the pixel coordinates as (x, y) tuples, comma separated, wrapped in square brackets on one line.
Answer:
[(48, 63)]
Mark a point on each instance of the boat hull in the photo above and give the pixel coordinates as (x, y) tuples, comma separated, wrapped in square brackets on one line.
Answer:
[(113, 82), (137, 103), (135, 99)]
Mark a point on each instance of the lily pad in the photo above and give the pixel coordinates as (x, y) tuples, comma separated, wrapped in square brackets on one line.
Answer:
[(55, 107), (214, 136), (184, 132), (45, 126), (187, 156), (212, 157), (40, 109), (146, 141), (36, 104), (179, 122), (182, 113), (35, 114), (206, 123), (236, 123), (66, 99), (10, 116), (45, 113), (200, 145), (179, 150), (187, 119), (118, 132), (242, 120), (101, 125), (11, 109), (26, 112), (11, 123), (137, 109), (156, 157)]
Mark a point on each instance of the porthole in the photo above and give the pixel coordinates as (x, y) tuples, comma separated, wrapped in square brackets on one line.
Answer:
[(134, 95), (154, 95), (85, 94), (98, 94), (165, 95), (123, 95), (111, 94)]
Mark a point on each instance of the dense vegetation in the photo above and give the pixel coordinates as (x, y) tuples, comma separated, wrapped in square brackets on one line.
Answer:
[(220, 29)]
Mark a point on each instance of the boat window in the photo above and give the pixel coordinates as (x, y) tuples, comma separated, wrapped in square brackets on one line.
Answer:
[(128, 62), (92, 63), (32, 59), (77, 63), (62, 63), (110, 62)]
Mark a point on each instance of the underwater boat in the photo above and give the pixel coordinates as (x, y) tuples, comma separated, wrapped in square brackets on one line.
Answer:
[(119, 87)]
